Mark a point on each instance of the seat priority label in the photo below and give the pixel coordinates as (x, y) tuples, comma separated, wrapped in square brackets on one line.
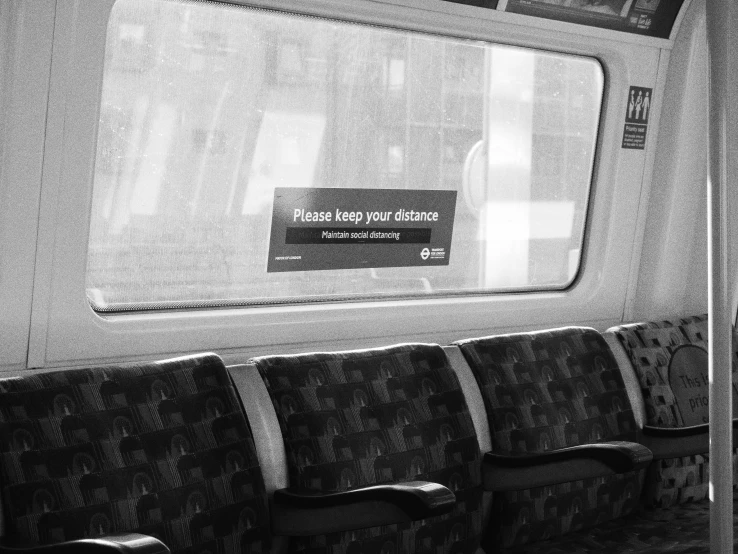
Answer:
[(328, 228), (636, 118)]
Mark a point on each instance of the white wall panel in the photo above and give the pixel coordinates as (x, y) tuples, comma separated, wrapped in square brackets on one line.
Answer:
[(26, 31), (673, 270)]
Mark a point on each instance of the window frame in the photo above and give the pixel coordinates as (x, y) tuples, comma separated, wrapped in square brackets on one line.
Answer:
[(67, 331), (579, 199)]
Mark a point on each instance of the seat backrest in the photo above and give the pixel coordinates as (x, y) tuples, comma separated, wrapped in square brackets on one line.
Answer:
[(354, 419), (544, 391), (158, 448), (669, 360), (550, 389)]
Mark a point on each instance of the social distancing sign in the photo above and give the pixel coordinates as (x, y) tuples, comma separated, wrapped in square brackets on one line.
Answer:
[(327, 228)]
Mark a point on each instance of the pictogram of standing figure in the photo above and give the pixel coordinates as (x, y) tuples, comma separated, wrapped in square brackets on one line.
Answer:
[(631, 104), (646, 106), (639, 105)]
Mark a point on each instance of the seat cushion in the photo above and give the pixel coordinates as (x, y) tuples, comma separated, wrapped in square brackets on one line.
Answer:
[(544, 391), (669, 358), (158, 448), (355, 419)]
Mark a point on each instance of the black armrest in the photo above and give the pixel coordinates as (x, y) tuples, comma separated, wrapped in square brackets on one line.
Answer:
[(675, 442), (128, 543), (587, 461), (305, 513)]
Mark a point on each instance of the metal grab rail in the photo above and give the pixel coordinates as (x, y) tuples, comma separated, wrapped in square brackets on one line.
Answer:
[(720, 387)]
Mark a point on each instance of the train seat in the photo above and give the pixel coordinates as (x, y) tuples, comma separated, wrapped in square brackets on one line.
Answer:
[(372, 419), (669, 361), (129, 459), (562, 430)]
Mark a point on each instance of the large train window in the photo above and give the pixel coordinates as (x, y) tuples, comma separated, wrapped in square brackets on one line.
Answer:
[(207, 109)]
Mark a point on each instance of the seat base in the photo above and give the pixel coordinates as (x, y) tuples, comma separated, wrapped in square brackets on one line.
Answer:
[(680, 529)]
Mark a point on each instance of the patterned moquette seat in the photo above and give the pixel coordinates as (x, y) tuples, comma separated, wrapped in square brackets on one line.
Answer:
[(545, 391), (670, 362), (161, 449), (355, 419)]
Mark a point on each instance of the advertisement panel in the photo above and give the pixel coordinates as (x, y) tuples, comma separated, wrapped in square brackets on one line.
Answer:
[(645, 17)]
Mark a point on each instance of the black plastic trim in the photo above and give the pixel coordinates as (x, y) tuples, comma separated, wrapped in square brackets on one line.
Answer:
[(677, 442), (620, 456), (303, 513), (128, 543), (587, 461), (678, 432)]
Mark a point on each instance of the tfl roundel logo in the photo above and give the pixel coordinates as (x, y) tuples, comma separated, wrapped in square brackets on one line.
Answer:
[(425, 253)]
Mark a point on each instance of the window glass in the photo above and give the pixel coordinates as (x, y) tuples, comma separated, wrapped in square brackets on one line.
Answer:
[(206, 108)]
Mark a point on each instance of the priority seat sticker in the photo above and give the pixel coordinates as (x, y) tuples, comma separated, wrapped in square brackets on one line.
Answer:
[(637, 112)]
